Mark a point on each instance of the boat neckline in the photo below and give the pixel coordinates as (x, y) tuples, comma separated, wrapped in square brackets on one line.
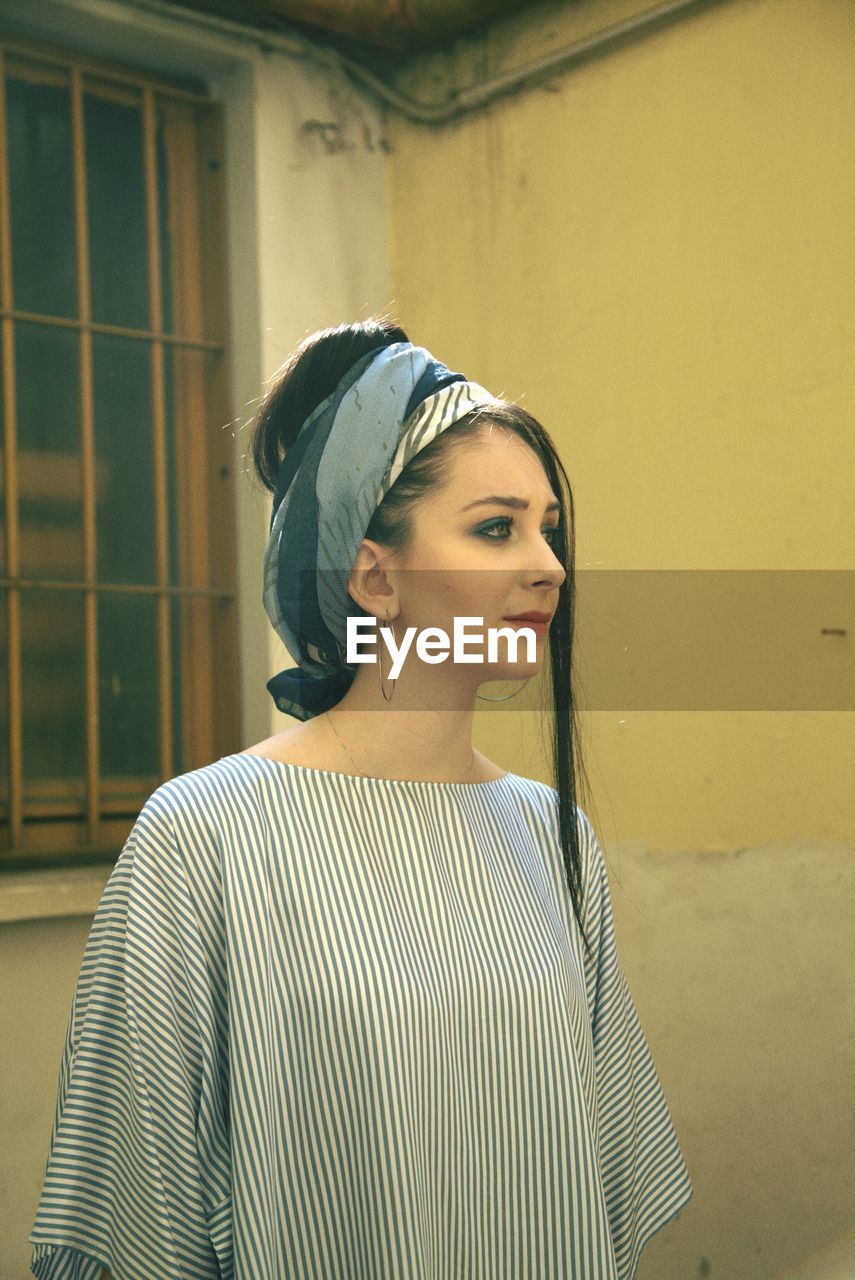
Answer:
[(363, 777)]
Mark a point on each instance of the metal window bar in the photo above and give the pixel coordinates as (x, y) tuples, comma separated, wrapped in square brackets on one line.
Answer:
[(159, 438), (87, 441), (139, 80), (13, 598), (120, 331)]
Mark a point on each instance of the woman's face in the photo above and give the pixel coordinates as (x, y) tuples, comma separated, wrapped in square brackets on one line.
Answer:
[(470, 557)]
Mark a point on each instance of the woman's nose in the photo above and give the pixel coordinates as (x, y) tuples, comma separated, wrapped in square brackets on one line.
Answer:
[(554, 567), (551, 571)]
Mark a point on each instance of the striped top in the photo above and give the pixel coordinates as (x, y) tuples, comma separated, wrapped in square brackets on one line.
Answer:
[(331, 1026)]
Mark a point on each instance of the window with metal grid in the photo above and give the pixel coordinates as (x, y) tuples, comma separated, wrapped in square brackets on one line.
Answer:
[(118, 627)]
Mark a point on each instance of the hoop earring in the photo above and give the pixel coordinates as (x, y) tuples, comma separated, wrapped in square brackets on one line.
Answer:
[(380, 665), (486, 698)]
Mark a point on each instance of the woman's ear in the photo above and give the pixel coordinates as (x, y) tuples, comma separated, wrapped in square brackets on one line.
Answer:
[(370, 586)]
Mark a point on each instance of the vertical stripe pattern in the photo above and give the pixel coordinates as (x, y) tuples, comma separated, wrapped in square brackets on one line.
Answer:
[(345, 1027)]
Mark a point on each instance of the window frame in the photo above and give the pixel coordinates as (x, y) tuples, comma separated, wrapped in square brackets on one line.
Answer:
[(59, 833)]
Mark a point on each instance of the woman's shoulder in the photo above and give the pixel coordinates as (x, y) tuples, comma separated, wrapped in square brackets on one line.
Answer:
[(193, 805)]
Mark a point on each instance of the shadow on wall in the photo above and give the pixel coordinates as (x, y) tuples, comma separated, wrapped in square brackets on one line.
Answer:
[(835, 1262)]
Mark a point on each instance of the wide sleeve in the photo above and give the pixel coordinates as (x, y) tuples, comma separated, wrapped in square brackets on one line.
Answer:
[(137, 1178), (645, 1179)]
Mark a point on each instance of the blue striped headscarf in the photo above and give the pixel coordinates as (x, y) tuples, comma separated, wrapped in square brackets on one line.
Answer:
[(349, 452)]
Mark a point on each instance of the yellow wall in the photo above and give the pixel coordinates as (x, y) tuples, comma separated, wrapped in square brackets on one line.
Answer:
[(654, 253)]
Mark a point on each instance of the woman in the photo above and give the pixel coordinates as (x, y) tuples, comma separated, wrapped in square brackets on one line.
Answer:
[(351, 1005)]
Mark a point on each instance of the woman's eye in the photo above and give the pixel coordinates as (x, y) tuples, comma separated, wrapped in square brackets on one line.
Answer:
[(489, 531)]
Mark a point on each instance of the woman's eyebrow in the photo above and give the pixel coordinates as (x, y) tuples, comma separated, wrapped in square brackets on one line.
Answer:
[(519, 504)]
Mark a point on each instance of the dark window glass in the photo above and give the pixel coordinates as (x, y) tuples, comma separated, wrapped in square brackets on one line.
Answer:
[(125, 465), (41, 197), (118, 253), (50, 471), (128, 686), (54, 691)]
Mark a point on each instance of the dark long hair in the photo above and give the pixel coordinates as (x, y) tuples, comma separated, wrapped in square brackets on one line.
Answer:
[(309, 375)]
